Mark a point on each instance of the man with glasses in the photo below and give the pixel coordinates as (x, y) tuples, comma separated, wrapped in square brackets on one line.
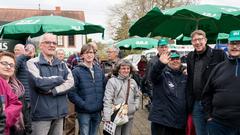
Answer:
[(200, 63), (168, 112), (221, 95), (107, 66), (50, 79)]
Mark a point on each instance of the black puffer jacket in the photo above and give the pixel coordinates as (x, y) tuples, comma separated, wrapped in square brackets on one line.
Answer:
[(22, 74), (169, 96)]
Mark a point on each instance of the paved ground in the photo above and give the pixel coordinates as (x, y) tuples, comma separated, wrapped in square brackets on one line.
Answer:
[(141, 126)]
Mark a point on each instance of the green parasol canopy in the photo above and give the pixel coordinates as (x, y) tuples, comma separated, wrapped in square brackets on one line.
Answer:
[(213, 19), (37, 25)]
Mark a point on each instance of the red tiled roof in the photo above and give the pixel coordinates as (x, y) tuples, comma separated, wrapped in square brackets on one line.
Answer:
[(9, 15)]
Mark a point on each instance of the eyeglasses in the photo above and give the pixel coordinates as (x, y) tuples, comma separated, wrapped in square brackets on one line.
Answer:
[(111, 51), (235, 43), (49, 43), (198, 39), (4, 63), (90, 52)]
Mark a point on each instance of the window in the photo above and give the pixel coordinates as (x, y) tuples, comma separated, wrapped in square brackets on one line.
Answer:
[(71, 41), (60, 40)]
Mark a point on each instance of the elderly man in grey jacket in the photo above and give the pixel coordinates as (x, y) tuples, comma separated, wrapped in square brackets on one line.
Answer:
[(50, 79)]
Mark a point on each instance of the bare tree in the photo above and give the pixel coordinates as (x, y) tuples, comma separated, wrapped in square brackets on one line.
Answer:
[(133, 10)]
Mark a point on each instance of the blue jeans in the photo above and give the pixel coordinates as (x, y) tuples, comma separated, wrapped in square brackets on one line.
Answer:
[(89, 123), (199, 118), (215, 128)]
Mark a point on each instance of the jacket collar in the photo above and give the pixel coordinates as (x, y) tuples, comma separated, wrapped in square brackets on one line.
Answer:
[(207, 52), (233, 60), (123, 78), (43, 61), (173, 71), (81, 64)]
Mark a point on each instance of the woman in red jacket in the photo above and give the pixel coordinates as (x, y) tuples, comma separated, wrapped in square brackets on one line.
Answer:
[(10, 103)]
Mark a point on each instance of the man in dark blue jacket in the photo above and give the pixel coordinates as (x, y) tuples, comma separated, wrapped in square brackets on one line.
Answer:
[(168, 113), (50, 79), (221, 94), (146, 84)]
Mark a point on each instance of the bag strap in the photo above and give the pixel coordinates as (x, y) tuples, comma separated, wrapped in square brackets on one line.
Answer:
[(128, 89)]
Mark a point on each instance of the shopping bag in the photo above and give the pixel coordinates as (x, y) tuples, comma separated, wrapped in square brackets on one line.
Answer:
[(119, 116)]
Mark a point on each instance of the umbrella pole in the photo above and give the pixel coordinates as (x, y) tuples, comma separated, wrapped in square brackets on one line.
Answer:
[(197, 24), (86, 39)]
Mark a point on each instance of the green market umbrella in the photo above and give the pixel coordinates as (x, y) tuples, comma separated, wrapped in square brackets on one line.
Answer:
[(37, 25), (137, 43), (212, 19), (147, 23)]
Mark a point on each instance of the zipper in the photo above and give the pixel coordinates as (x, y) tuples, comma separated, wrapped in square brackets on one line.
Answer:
[(93, 78), (35, 107), (236, 71)]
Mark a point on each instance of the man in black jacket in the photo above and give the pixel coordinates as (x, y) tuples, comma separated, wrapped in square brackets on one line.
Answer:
[(200, 63), (146, 84), (221, 95), (168, 113)]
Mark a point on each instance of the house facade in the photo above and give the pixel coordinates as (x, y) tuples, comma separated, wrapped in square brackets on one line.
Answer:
[(69, 43)]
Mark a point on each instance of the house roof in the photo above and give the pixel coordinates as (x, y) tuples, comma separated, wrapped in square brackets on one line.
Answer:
[(9, 14)]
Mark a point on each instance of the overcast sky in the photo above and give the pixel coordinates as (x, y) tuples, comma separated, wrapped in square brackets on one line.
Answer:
[(96, 11)]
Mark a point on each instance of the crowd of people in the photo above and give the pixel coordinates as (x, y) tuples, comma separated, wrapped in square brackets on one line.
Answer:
[(44, 95)]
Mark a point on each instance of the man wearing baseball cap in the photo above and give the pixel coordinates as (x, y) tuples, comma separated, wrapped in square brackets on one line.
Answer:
[(146, 84), (162, 47), (169, 105), (221, 94)]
